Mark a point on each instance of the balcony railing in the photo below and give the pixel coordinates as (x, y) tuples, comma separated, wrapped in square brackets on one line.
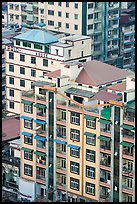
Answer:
[(60, 151), (129, 118), (41, 114), (127, 187), (105, 163), (61, 102), (61, 136), (106, 197), (127, 171), (105, 147), (12, 185), (40, 177), (41, 98), (125, 151), (40, 161), (40, 145), (11, 160), (29, 94), (105, 180), (128, 135), (105, 130)]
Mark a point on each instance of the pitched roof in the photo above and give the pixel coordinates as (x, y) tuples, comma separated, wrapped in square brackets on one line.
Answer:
[(10, 129), (54, 74), (118, 87), (96, 73), (105, 96), (38, 36)]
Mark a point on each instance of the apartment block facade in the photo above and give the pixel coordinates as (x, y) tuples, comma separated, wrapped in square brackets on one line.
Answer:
[(100, 20), (35, 53), (77, 140)]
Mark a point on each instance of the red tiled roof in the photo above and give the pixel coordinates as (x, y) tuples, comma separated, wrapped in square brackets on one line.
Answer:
[(10, 129), (118, 87), (96, 73), (105, 96), (54, 74)]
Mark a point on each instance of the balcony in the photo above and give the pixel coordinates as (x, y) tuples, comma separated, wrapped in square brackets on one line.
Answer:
[(41, 161), (28, 94), (127, 189), (59, 134), (105, 197), (41, 177), (105, 149), (41, 98), (129, 118), (40, 145), (73, 105), (127, 172), (105, 164), (125, 151), (11, 160)]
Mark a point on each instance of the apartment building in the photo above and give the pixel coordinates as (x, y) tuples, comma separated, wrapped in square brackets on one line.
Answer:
[(127, 26), (4, 43), (100, 20), (4, 19), (35, 53), (78, 137)]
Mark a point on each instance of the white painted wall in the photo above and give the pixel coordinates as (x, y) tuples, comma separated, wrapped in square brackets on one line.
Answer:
[(26, 188), (60, 50)]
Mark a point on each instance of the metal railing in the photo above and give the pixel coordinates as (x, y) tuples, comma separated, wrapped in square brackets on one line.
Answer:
[(105, 163), (40, 177), (13, 160), (41, 98), (29, 94), (105, 147)]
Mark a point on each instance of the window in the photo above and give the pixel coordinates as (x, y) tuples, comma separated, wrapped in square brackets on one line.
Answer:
[(76, 6), (22, 83), (63, 163), (51, 23), (67, 15), (90, 188), (75, 135), (74, 167), (90, 172), (33, 73), (59, 3), (67, 4), (90, 5), (37, 46), (75, 118), (42, 11), (57, 51), (11, 55), (59, 13), (81, 53), (33, 60), (11, 80), (90, 27), (28, 170), (76, 27), (91, 140), (90, 155), (63, 115), (45, 62), (11, 68), (40, 173), (17, 42), (51, 3), (62, 131), (42, 20), (11, 92), (74, 152), (90, 16), (59, 24), (74, 183), (27, 44), (28, 155), (69, 53), (17, 17), (67, 25), (22, 58), (22, 70), (91, 124), (63, 179), (28, 140), (63, 148), (27, 108), (12, 105), (75, 16), (3, 51), (51, 12), (28, 124)]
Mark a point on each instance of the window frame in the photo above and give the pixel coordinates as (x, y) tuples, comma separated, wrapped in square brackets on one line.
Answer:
[(22, 58), (28, 155), (74, 167), (90, 154), (29, 169), (75, 183), (28, 124), (90, 172)]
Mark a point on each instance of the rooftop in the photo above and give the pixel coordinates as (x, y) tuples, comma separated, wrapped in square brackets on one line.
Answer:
[(76, 37), (106, 96), (54, 74), (62, 44), (43, 83), (6, 41), (97, 73), (10, 129), (118, 87), (16, 142), (37, 36), (79, 92)]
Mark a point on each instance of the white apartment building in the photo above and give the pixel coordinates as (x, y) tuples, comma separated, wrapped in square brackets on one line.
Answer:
[(36, 53)]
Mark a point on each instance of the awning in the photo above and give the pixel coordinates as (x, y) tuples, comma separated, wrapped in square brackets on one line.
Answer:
[(129, 34), (73, 146), (60, 141), (106, 113), (40, 122), (40, 153), (27, 134), (131, 110), (127, 144), (26, 118), (127, 127), (107, 139), (26, 149), (104, 121), (27, 102), (40, 138), (89, 134), (88, 117), (129, 43), (37, 105)]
